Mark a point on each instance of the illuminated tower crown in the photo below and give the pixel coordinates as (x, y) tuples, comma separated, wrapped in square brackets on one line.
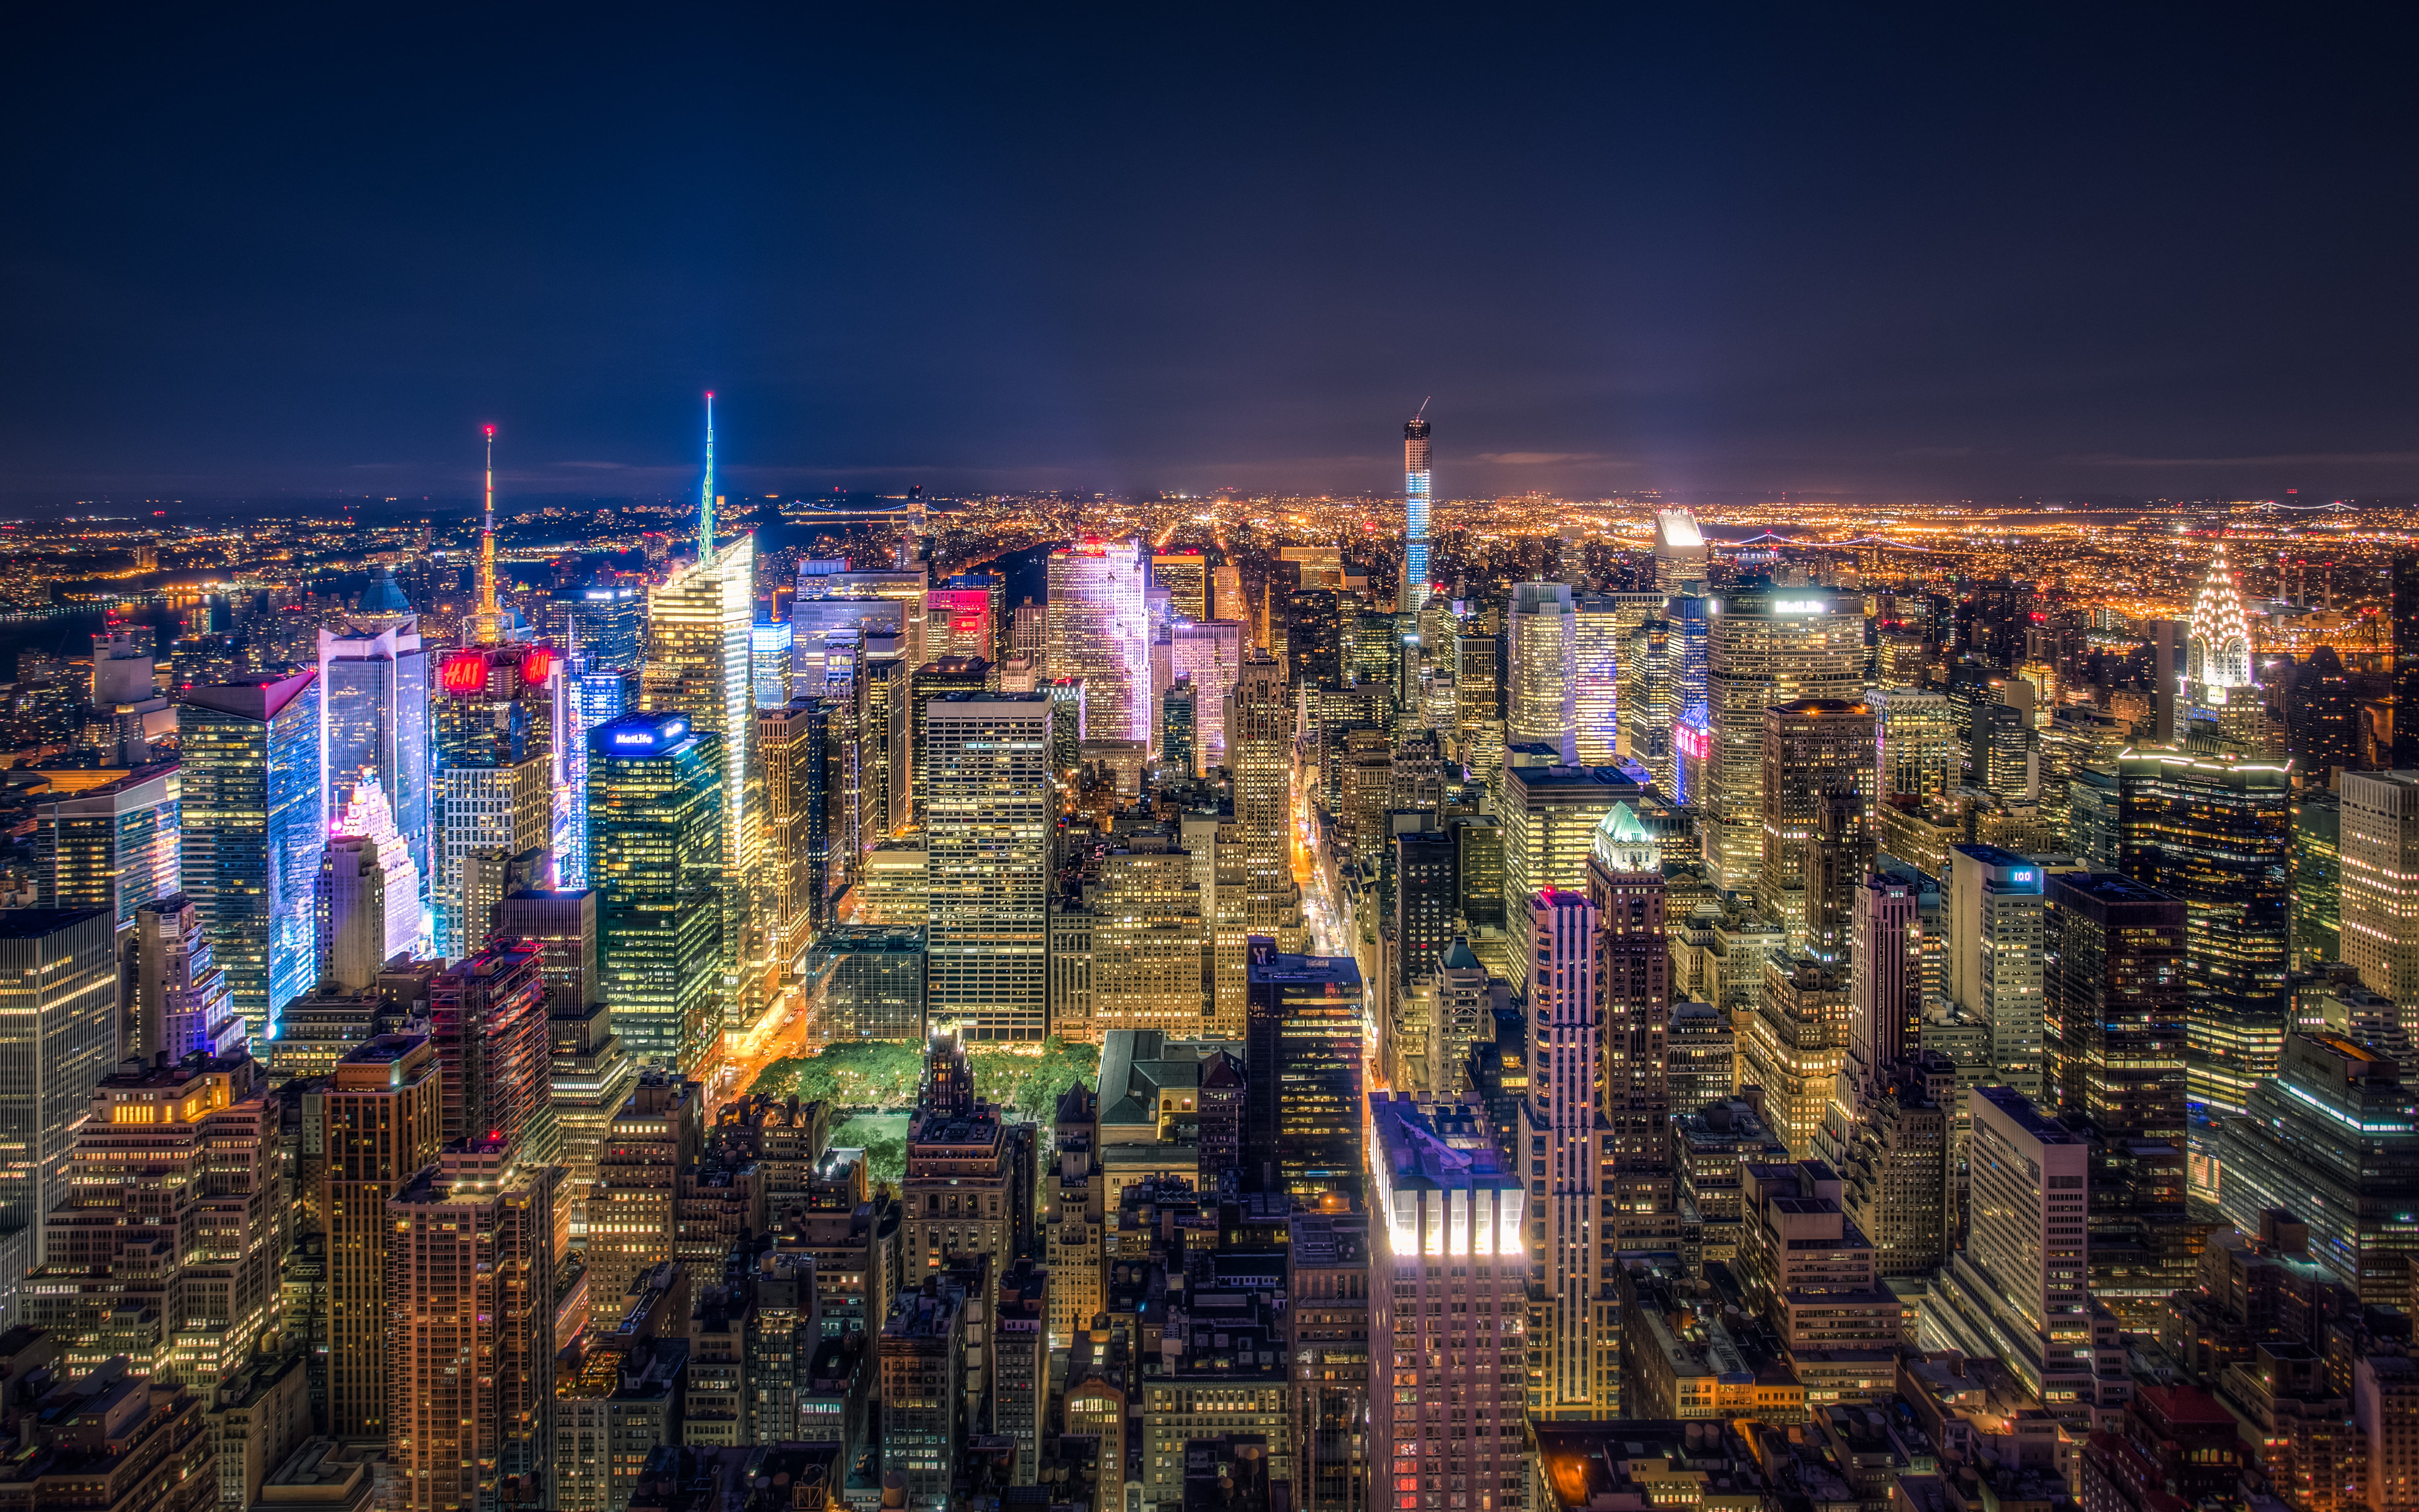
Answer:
[(2218, 653)]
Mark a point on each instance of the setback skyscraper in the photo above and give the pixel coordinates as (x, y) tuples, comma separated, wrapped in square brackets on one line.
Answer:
[(655, 854)]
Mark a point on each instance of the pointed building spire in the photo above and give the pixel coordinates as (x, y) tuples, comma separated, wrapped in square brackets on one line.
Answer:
[(705, 499), (488, 628)]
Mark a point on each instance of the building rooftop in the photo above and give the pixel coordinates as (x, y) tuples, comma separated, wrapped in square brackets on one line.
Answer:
[(33, 923)]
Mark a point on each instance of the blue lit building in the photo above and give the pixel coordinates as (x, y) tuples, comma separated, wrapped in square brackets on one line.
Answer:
[(253, 833), (373, 686), (1691, 622), (654, 861), (1415, 514)]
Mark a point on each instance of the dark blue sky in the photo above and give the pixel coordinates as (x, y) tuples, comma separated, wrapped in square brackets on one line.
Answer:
[(1818, 250)]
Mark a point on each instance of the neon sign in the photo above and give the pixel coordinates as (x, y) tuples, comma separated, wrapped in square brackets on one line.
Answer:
[(1697, 745), (465, 673), (1798, 606), (536, 664)]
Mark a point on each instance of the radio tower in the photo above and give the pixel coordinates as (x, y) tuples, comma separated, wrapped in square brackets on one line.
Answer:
[(705, 499), (1415, 512), (487, 627)]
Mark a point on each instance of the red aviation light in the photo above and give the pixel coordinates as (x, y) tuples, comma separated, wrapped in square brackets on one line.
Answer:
[(465, 673), (536, 664)]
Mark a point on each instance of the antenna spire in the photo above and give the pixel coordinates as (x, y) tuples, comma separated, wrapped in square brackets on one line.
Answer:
[(490, 618), (705, 499), (1423, 407)]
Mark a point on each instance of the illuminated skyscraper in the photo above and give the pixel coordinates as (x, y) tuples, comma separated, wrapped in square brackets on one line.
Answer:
[(1303, 1037), (1209, 651), (253, 833), (59, 1036), (1681, 555), (2219, 835), (1595, 690), (654, 846), (470, 1278), (1258, 728), (961, 618), (1763, 648), (1543, 658), (2379, 840), (1645, 707), (987, 775), (1185, 575), (771, 663), (1917, 742), (180, 997), (113, 846), (1415, 513), (497, 764), (1098, 631), (381, 1117), (1559, 1119), (374, 685), (368, 926), (795, 743), (1447, 1287), (1814, 749), (1229, 602)]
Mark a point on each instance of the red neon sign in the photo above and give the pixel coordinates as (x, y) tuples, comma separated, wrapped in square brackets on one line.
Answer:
[(466, 673), (536, 664)]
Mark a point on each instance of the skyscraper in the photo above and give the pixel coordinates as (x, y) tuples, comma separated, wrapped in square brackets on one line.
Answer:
[(698, 625), (375, 680), (794, 743), (1559, 1119), (1447, 1289), (1415, 513), (1210, 653), (1645, 705), (1633, 969), (381, 1115), (252, 833), (1917, 744), (1681, 555), (387, 919), (1884, 981), (1302, 1038), (1814, 750), (470, 1278), (2017, 1288), (1542, 656), (1765, 648), (2405, 610), (488, 1019), (1313, 637), (113, 846), (2379, 840), (180, 1000), (1185, 575), (59, 1036), (2218, 834), (1259, 733), (495, 722), (654, 848), (2114, 990), (1098, 631), (987, 775), (1992, 958), (632, 1217)]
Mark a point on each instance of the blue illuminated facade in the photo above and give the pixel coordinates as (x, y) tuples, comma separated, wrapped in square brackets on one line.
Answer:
[(1415, 514)]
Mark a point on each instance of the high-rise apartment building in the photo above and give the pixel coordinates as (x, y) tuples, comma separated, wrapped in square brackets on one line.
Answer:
[(1541, 657), (113, 846), (2218, 834), (2114, 1001), (1099, 630), (655, 855), (1448, 1280), (988, 851), (471, 1266), (1302, 1038), (1763, 648), (1992, 956), (252, 832), (59, 1029), (381, 1115), (375, 682), (1415, 513)]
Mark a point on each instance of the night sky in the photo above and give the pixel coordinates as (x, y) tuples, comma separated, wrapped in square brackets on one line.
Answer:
[(1826, 251)]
